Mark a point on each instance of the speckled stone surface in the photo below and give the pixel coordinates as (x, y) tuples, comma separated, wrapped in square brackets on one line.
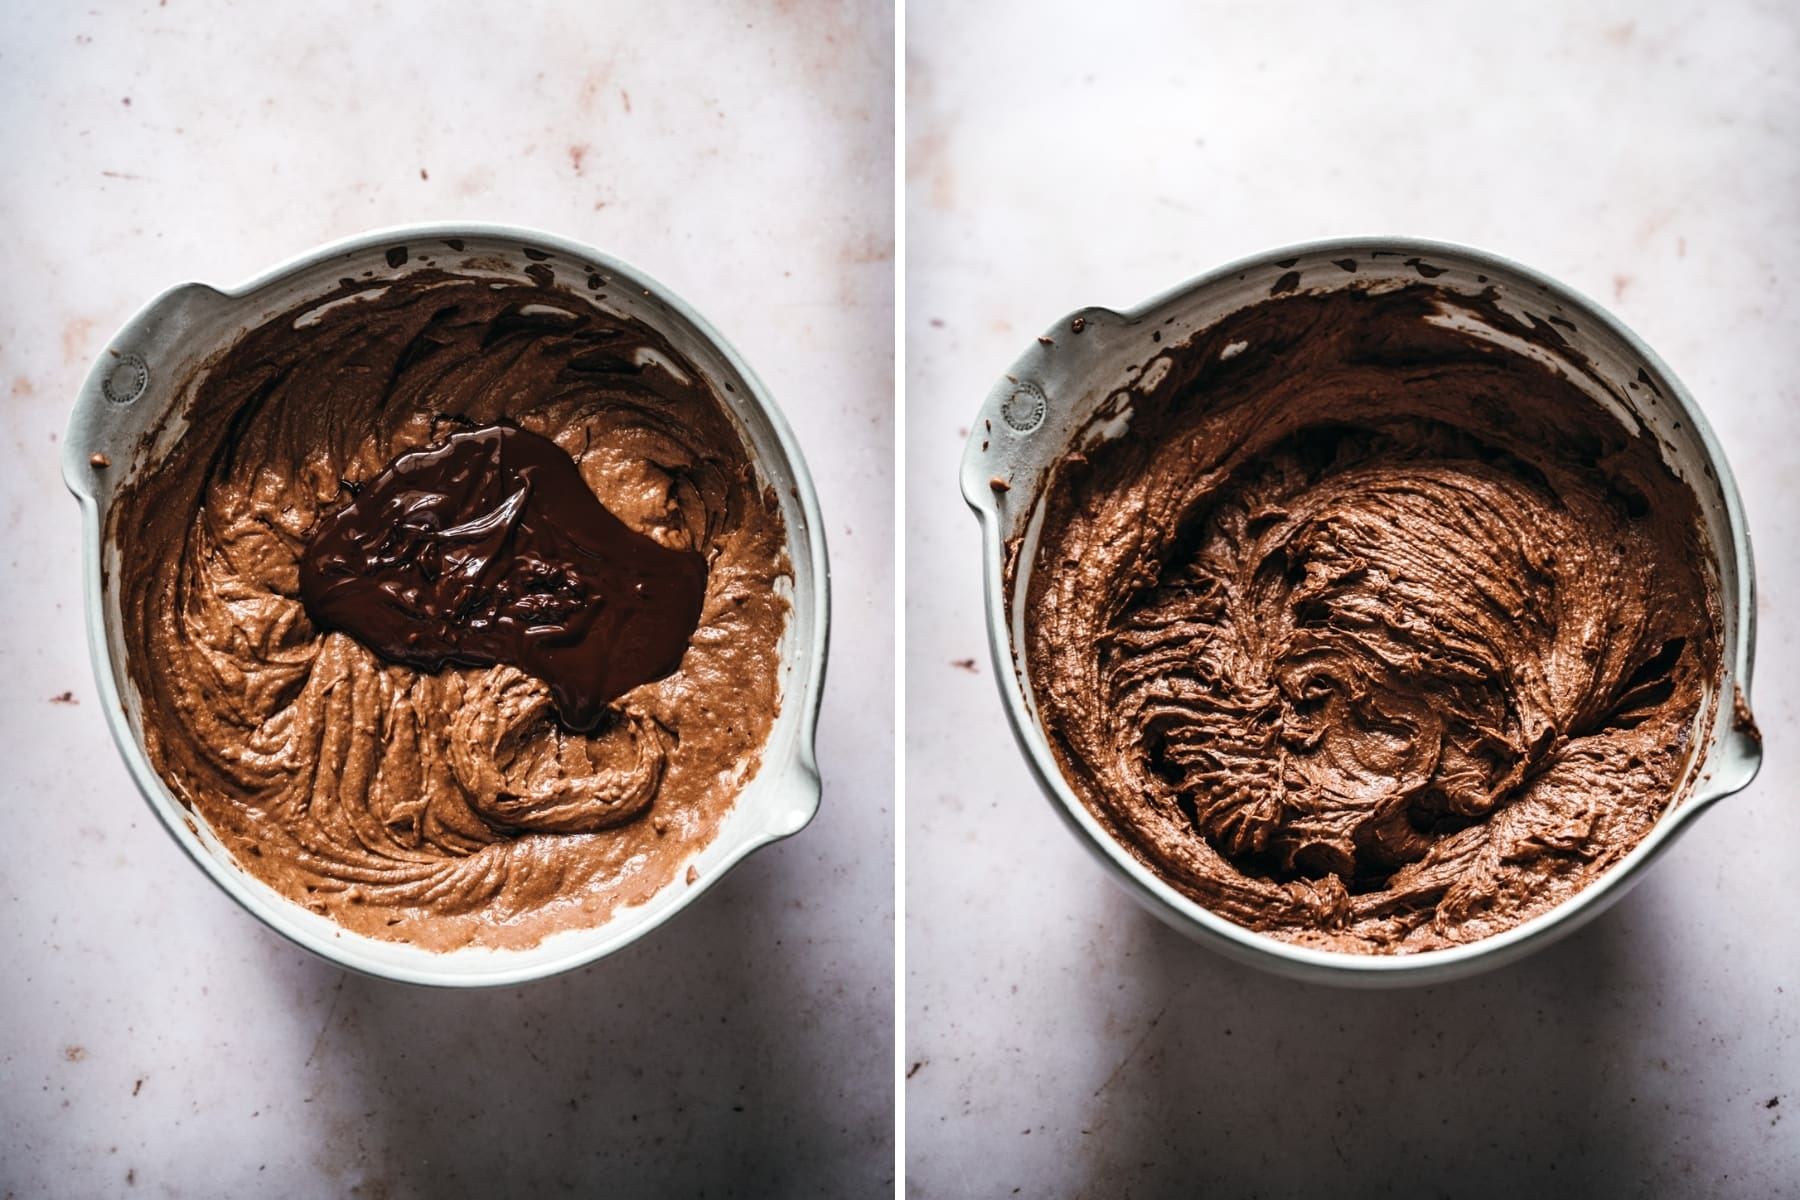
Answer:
[(1060, 1041), (157, 1040)]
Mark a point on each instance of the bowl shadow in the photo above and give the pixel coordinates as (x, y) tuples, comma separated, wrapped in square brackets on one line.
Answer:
[(689, 1063), (1245, 1084)]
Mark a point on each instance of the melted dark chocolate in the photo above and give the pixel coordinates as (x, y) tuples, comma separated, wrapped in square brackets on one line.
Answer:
[(491, 549)]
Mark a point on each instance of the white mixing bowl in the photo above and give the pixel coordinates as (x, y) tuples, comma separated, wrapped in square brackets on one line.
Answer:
[(146, 371), (1056, 397)]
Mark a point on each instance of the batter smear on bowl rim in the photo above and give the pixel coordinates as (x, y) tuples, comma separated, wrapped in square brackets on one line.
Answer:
[(1370, 634), (454, 610)]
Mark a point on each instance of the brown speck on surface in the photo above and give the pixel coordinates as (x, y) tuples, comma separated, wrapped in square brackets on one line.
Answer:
[(1044, 341), (966, 664), (424, 174), (1425, 269), (962, 433), (1344, 264), (396, 256), (1286, 283), (99, 461), (65, 698), (937, 322), (625, 99), (987, 425), (914, 1069), (74, 1053), (659, 823), (1741, 720), (576, 155), (1620, 283), (999, 484), (693, 874), (984, 447), (137, 1087), (1078, 324), (1773, 1101), (131, 1177), (126, 102), (454, 243)]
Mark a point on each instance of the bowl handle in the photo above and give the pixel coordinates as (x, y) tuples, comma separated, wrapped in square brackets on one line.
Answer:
[(116, 401), (1031, 402)]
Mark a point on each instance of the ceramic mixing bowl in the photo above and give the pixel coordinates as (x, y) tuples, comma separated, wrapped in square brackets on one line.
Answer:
[(144, 375), (1054, 398)]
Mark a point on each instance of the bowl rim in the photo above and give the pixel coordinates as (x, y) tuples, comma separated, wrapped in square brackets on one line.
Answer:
[(343, 947), (1340, 967)]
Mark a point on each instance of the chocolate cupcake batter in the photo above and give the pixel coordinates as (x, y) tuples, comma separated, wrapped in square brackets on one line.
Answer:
[(1369, 634), (442, 803)]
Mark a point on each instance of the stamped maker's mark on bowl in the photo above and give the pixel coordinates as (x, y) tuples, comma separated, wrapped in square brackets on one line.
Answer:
[(127, 379), (1024, 409)]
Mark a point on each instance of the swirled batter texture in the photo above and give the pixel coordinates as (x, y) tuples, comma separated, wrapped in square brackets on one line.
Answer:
[(453, 808), (1369, 634)]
